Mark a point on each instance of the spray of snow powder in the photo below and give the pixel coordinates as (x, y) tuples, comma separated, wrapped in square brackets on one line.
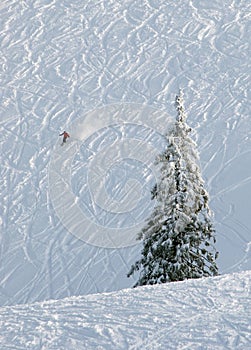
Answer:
[(104, 215)]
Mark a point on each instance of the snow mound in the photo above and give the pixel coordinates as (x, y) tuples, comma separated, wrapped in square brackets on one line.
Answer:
[(211, 313)]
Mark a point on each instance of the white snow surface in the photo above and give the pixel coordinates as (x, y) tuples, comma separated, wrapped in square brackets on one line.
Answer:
[(212, 313), (61, 59)]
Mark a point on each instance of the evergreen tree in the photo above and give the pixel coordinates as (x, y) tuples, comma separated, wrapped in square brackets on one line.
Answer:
[(178, 239)]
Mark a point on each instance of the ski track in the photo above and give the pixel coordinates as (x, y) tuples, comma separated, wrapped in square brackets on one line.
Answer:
[(211, 313), (60, 59)]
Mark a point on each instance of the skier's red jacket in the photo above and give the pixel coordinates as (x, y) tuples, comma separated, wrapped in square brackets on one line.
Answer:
[(65, 134)]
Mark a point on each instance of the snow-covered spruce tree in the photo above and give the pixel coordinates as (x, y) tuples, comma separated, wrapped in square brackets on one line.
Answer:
[(178, 239)]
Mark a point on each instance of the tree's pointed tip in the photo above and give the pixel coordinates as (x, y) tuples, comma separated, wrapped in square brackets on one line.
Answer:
[(181, 92)]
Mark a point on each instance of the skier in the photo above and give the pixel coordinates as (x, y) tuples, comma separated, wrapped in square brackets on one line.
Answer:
[(65, 136)]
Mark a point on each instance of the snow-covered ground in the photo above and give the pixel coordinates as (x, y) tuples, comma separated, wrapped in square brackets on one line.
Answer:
[(80, 66), (208, 314)]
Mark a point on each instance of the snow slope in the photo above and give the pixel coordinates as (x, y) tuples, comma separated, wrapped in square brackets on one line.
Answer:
[(211, 313), (63, 61)]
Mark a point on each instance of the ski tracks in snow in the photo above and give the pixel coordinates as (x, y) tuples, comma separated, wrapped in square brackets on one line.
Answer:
[(211, 313), (60, 59)]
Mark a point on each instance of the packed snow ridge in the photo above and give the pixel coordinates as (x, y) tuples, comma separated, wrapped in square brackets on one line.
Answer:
[(211, 313)]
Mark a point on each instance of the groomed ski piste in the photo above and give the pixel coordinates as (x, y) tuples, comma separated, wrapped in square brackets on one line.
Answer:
[(108, 72)]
